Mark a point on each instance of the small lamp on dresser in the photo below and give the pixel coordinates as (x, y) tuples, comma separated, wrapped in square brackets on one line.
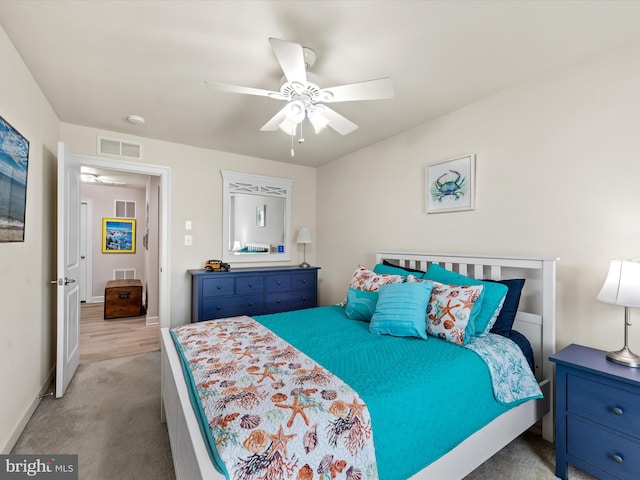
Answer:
[(304, 237), (622, 287)]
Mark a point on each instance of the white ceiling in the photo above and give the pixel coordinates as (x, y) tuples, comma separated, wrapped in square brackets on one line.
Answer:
[(99, 61)]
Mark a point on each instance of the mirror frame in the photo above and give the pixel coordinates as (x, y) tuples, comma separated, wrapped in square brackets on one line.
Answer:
[(235, 182)]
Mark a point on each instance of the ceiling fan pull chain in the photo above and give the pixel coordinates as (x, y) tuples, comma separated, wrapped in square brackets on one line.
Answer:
[(292, 150)]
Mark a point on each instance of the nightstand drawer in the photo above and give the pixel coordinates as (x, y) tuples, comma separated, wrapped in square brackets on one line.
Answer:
[(603, 449), (612, 407)]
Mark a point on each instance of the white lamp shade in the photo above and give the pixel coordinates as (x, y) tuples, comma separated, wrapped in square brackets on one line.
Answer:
[(622, 285), (304, 235), (318, 120)]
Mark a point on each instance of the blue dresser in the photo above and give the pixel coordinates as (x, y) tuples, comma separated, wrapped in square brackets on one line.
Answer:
[(597, 415), (252, 291)]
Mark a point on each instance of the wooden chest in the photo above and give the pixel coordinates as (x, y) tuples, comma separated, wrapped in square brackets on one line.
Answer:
[(123, 298)]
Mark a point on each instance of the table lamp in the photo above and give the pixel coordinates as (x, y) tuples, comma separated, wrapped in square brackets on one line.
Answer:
[(622, 287), (304, 237)]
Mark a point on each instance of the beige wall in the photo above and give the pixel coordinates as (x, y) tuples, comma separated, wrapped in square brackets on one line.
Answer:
[(558, 174), (27, 299), (196, 195)]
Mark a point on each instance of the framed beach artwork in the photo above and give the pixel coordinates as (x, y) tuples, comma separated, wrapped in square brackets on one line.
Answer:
[(450, 185), (14, 162), (118, 235)]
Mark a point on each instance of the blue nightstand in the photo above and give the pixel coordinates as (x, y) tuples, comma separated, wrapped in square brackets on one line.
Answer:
[(597, 415)]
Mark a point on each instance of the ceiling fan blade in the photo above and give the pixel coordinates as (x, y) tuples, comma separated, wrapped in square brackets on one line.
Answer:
[(368, 90), (275, 121), (223, 87), (340, 124), (291, 59)]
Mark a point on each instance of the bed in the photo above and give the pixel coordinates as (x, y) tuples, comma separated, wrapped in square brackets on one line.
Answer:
[(535, 320)]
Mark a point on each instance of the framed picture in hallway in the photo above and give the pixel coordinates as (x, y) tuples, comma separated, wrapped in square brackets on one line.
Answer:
[(118, 235), (14, 161)]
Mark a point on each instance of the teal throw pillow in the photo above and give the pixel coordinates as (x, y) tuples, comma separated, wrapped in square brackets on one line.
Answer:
[(486, 310), (401, 310), (360, 304)]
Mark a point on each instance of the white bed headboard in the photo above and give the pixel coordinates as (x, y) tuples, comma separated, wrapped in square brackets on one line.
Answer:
[(537, 313)]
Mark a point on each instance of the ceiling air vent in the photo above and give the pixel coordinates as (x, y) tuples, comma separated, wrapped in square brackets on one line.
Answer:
[(119, 148)]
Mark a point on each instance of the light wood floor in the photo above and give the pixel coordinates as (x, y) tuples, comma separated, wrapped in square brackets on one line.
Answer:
[(103, 339)]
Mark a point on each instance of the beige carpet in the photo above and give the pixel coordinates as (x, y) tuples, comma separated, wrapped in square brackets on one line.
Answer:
[(110, 417)]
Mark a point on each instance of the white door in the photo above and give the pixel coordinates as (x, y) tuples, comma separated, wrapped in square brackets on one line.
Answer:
[(84, 247), (68, 281)]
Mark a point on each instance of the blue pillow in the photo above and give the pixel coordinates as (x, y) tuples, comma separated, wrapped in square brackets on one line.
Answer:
[(386, 268), (360, 304), (401, 310), (507, 315), (485, 312)]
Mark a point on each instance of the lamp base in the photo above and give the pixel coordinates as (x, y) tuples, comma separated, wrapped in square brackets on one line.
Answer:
[(304, 265), (624, 357)]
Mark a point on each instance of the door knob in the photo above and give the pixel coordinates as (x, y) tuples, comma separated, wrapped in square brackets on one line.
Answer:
[(67, 281)]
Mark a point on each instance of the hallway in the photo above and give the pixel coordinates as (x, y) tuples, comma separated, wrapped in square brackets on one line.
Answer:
[(104, 339)]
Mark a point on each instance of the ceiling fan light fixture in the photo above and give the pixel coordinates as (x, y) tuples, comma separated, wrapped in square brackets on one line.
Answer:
[(318, 120), (289, 127), (296, 111)]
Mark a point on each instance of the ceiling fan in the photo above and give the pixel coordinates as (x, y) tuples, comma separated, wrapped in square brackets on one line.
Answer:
[(305, 99)]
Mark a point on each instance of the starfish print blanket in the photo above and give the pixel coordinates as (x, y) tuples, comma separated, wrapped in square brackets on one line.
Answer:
[(267, 410)]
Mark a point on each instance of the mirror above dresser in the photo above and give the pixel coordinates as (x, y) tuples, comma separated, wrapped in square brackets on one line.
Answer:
[(256, 218)]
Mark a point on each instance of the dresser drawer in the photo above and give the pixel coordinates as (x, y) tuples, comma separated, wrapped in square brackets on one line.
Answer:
[(603, 449), (246, 285), (278, 283), (303, 281), (282, 302), (612, 407), (218, 286), (232, 306)]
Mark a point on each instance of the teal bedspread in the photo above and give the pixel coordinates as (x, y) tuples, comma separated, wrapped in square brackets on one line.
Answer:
[(424, 397)]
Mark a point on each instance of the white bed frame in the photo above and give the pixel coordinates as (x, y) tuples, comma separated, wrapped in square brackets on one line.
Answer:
[(535, 320)]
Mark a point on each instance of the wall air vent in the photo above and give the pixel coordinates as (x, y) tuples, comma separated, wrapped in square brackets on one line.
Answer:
[(119, 148), (124, 274), (125, 209)]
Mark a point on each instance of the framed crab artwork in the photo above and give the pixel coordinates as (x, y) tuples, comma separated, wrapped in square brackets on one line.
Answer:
[(450, 185)]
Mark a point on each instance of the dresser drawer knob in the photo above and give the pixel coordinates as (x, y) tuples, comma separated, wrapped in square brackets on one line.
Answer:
[(304, 299), (251, 285), (218, 307), (251, 304), (219, 287), (617, 411), (617, 458), (304, 280)]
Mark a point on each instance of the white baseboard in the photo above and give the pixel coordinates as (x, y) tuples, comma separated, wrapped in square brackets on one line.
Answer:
[(13, 439), (153, 320)]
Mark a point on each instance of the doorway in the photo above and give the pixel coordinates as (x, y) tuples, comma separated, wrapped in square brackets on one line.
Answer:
[(133, 197)]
